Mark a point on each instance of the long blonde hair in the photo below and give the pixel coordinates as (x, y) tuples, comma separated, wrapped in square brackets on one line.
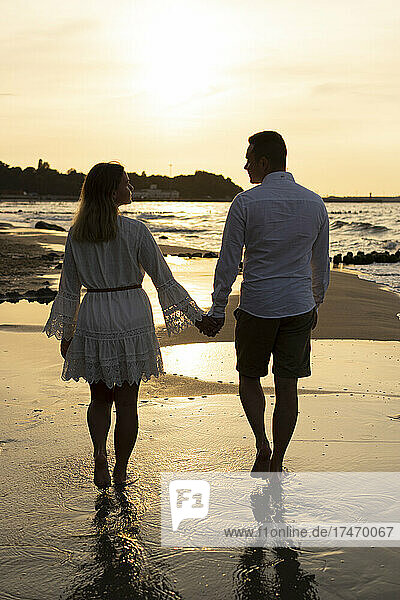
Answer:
[(96, 217)]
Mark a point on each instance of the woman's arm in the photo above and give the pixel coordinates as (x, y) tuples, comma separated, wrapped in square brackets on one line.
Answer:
[(179, 309), (64, 311), (64, 347)]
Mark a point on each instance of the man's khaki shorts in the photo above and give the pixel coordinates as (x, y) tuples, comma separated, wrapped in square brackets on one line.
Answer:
[(286, 338)]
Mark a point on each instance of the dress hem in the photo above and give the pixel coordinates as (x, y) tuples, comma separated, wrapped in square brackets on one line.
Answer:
[(110, 384)]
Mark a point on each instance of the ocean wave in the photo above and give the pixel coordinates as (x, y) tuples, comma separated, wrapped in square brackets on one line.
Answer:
[(379, 274), (166, 229), (56, 216), (368, 226), (393, 282), (338, 224), (390, 245), (359, 226), (51, 218), (155, 215)]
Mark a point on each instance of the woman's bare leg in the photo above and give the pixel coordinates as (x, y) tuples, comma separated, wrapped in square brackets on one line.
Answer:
[(99, 420), (126, 427)]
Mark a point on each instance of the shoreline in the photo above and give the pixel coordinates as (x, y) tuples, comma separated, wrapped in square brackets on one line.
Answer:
[(27, 254), (354, 308)]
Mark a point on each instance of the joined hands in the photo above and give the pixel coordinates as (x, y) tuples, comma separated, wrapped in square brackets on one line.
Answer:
[(210, 326)]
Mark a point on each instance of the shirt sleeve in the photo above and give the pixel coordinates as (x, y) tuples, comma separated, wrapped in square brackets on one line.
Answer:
[(320, 263), (230, 256), (65, 308), (179, 309)]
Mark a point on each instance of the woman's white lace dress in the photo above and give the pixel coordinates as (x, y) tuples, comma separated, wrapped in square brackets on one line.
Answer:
[(113, 336)]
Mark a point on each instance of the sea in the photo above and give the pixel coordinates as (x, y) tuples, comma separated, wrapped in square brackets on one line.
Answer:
[(353, 227)]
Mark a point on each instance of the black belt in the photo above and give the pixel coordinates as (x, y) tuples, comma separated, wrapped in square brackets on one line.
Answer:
[(116, 289)]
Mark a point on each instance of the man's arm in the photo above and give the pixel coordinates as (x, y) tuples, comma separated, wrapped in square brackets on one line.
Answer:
[(320, 263), (230, 256)]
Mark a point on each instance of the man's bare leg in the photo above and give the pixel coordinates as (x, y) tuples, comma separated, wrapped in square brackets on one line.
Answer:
[(284, 418), (253, 402)]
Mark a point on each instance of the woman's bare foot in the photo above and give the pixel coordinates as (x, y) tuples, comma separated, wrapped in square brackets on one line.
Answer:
[(119, 475), (102, 477), (276, 464), (262, 462)]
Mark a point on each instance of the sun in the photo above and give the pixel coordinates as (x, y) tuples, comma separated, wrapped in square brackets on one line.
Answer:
[(182, 57)]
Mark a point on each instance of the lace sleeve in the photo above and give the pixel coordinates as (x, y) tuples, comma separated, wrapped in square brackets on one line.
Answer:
[(179, 309), (64, 311)]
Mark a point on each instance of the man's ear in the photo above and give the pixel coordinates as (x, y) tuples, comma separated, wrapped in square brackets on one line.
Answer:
[(265, 163)]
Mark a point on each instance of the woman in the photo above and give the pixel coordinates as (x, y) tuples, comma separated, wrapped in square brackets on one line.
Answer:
[(109, 338)]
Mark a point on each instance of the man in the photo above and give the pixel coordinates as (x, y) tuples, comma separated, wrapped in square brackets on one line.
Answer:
[(285, 231)]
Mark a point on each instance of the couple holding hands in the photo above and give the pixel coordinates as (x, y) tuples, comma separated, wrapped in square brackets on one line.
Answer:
[(109, 338)]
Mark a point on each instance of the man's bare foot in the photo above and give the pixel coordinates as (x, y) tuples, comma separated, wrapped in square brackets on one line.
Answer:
[(276, 464), (119, 475), (262, 462), (102, 477)]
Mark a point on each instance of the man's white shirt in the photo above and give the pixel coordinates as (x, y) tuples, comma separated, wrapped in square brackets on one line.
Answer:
[(284, 229)]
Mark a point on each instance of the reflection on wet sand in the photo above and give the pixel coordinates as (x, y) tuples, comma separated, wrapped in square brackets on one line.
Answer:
[(120, 567), (274, 573)]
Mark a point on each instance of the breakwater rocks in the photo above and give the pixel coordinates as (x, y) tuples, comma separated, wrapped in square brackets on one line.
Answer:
[(366, 259), (42, 295), (198, 254), (50, 226)]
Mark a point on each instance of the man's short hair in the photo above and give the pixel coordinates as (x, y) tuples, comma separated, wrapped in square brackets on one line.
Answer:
[(271, 145)]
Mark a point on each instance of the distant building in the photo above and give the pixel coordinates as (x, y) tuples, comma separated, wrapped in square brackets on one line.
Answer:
[(153, 193)]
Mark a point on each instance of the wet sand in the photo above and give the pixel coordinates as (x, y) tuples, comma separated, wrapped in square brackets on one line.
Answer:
[(23, 262), (64, 539), (353, 309)]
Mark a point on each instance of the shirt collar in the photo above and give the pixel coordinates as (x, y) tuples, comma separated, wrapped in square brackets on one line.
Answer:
[(278, 175)]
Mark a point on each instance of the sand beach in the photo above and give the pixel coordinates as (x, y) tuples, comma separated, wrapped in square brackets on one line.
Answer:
[(62, 538)]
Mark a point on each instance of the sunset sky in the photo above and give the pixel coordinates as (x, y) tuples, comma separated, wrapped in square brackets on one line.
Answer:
[(152, 82)]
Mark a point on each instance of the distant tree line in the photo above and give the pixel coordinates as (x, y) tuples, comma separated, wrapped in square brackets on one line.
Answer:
[(200, 185), (41, 180), (46, 181)]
